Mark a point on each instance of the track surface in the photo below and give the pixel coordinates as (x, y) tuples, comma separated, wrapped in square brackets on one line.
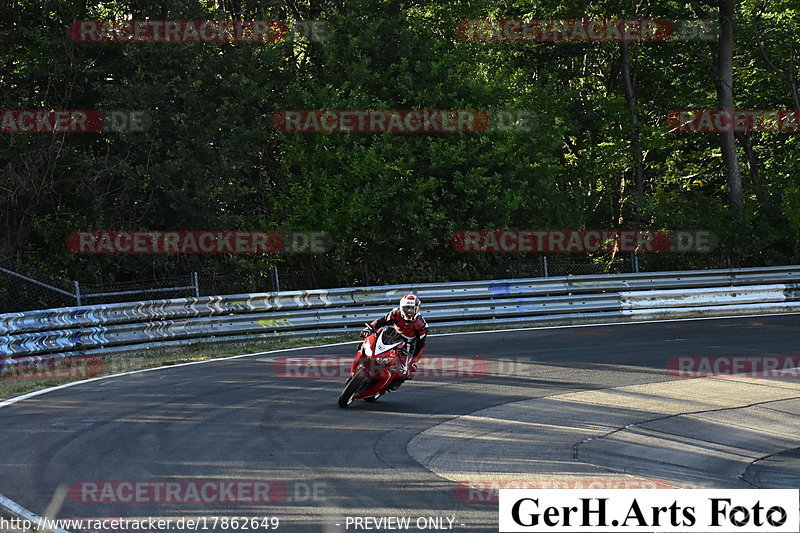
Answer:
[(237, 420)]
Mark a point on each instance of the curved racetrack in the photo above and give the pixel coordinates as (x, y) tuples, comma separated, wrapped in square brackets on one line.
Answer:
[(583, 403)]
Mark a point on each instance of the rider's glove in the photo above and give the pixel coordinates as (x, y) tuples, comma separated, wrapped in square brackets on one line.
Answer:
[(366, 332)]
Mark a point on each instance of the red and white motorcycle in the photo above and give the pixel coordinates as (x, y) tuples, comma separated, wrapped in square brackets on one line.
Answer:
[(384, 356)]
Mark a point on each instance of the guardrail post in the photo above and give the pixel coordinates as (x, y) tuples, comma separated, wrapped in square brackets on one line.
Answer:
[(77, 292), (634, 262), (277, 280), (196, 284), (544, 266)]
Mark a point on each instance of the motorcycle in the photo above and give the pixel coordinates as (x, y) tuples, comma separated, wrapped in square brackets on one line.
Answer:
[(384, 356)]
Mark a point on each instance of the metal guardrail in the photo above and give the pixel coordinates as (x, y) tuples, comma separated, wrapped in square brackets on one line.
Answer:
[(125, 327)]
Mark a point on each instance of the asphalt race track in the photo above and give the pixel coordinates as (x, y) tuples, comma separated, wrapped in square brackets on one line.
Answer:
[(576, 403)]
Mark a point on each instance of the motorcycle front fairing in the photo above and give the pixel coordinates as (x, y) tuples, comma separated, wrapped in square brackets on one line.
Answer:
[(382, 349)]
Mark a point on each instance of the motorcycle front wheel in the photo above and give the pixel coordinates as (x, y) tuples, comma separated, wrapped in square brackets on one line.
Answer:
[(352, 387)]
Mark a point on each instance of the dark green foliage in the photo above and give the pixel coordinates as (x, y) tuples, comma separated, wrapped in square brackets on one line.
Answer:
[(213, 160)]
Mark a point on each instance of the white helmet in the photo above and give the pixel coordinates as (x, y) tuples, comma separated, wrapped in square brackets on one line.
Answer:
[(409, 307)]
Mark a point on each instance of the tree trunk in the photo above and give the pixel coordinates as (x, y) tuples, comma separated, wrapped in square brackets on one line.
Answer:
[(764, 200), (725, 102), (630, 102), (792, 78)]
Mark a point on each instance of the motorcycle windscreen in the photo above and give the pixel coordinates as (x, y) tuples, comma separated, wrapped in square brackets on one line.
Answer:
[(387, 340)]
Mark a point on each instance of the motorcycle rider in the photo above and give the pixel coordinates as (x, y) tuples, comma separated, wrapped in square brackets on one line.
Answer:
[(410, 324)]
